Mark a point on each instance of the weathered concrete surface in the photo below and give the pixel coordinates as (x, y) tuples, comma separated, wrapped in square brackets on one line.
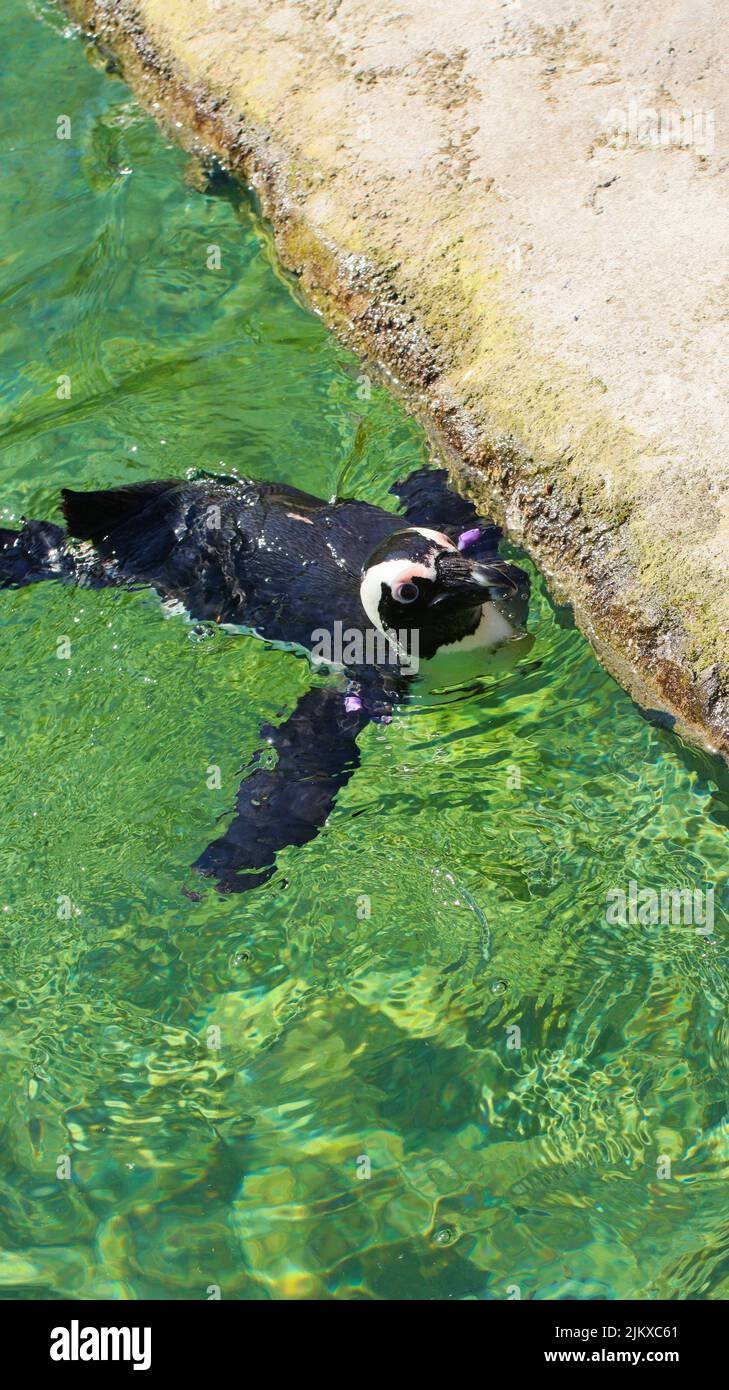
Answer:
[(549, 283)]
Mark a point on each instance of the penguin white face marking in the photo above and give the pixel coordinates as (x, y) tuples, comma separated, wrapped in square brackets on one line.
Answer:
[(442, 541), (400, 578), (418, 581)]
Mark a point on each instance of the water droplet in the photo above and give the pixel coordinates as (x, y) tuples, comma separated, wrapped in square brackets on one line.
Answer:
[(499, 986), (444, 1235)]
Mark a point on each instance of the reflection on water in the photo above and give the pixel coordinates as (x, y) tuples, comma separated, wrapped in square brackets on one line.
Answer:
[(419, 1062)]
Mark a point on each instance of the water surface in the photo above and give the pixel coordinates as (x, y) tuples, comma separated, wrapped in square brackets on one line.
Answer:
[(366, 998)]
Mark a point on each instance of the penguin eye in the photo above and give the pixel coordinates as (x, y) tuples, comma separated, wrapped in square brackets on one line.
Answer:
[(406, 593)]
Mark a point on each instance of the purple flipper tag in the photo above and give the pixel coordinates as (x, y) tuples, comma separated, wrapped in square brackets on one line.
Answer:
[(352, 703), (467, 538)]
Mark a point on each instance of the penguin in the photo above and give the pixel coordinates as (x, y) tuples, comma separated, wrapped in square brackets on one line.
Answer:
[(365, 593)]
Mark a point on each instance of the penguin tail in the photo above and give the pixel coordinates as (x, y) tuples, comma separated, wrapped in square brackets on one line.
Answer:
[(92, 516)]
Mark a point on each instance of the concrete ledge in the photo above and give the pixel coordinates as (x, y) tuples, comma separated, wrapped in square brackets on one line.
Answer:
[(520, 209)]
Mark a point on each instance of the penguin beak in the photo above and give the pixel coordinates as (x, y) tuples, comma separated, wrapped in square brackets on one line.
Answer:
[(465, 583)]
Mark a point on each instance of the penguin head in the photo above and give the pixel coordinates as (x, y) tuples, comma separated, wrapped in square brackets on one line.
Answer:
[(418, 581)]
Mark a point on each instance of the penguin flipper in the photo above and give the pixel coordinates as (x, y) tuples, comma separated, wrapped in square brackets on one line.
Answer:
[(36, 552), (315, 753), (428, 500)]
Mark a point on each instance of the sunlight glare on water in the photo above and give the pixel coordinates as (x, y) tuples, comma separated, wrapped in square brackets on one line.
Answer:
[(367, 997)]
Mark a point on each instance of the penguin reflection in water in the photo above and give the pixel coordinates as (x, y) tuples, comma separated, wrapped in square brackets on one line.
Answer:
[(293, 569)]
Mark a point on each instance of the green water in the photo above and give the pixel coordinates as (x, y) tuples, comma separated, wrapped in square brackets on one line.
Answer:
[(484, 830)]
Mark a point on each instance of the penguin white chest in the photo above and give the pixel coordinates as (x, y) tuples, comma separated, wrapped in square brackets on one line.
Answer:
[(492, 629)]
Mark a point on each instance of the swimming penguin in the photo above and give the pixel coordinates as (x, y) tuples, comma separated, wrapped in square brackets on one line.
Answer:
[(352, 585)]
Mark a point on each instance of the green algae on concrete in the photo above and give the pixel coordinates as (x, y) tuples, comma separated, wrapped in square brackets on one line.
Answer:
[(455, 189)]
